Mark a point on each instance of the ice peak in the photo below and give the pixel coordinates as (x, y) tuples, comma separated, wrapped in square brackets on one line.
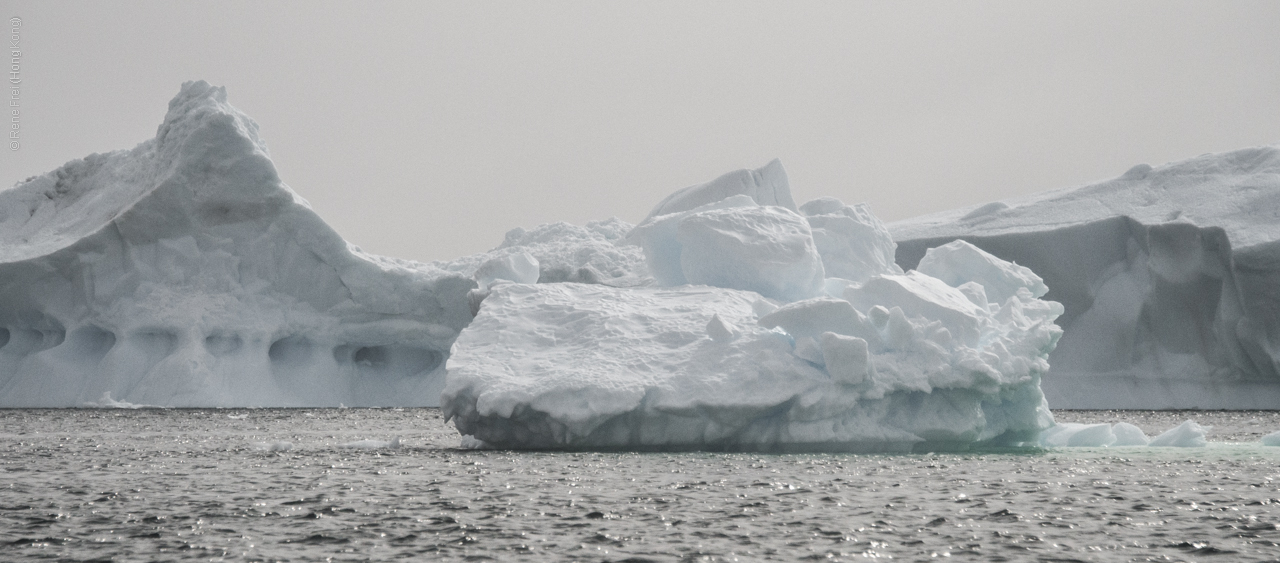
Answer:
[(202, 106), (195, 91)]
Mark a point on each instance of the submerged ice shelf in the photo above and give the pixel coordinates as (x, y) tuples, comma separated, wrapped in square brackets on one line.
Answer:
[(1167, 274)]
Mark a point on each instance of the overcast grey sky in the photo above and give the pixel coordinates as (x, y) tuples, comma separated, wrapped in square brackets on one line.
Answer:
[(427, 130)]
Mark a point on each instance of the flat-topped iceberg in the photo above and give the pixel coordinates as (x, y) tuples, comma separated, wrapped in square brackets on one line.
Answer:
[(744, 342), (1167, 274)]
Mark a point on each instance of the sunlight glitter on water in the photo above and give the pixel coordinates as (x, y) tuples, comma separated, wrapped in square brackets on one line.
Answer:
[(197, 484)]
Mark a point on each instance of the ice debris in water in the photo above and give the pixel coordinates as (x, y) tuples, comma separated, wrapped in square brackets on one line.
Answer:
[(1272, 439), (1186, 435), (1129, 435), (747, 340), (1079, 435), (392, 444), (273, 446), (471, 443), (106, 402)]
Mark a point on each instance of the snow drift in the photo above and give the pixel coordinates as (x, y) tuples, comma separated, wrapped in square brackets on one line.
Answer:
[(1168, 276), (743, 342), (183, 272)]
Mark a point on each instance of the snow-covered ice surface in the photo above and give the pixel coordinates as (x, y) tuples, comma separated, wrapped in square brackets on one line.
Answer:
[(1167, 274), (767, 185), (743, 342), (183, 272), (594, 253)]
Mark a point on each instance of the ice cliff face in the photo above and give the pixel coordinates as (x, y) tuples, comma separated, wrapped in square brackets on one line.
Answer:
[(1169, 276), (742, 341), (185, 273)]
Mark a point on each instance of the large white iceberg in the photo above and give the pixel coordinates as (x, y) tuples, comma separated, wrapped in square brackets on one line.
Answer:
[(744, 344), (1168, 276), (183, 272)]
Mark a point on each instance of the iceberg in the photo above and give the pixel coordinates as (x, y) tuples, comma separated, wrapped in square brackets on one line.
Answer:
[(1185, 435), (184, 272), (741, 342), (106, 402), (1272, 439), (1189, 434), (1075, 435), (1129, 435), (392, 444), (272, 446), (1167, 275)]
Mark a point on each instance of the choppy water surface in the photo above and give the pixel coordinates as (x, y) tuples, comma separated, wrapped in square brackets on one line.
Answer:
[(161, 485)]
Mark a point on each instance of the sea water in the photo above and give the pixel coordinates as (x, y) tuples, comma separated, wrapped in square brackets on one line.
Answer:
[(278, 485)]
